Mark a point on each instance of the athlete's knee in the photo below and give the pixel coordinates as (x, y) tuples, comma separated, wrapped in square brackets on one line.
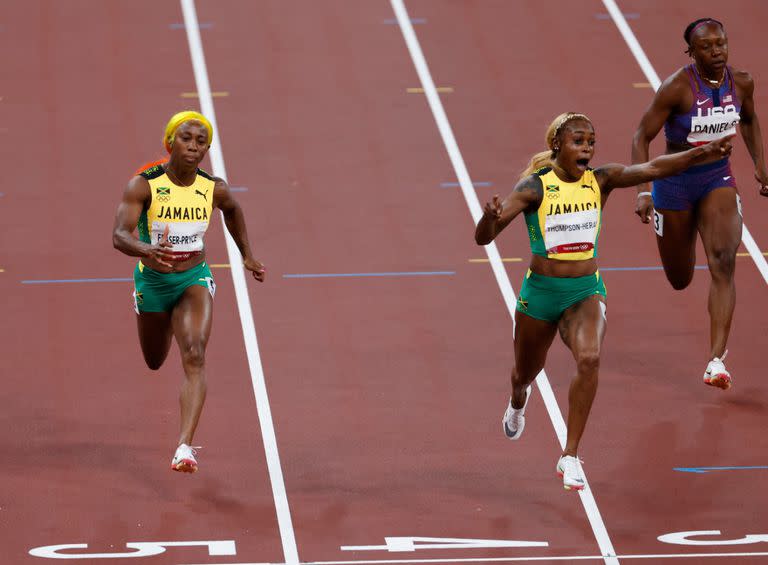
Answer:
[(722, 260), (680, 284), (679, 281), (193, 354), (154, 362), (588, 362), (524, 378)]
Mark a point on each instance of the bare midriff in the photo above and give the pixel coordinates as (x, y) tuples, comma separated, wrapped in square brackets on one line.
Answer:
[(562, 269), (178, 266)]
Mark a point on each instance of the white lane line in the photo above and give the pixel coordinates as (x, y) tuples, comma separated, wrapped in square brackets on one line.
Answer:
[(653, 78), (518, 559), (632, 43), (470, 196), (243, 302)]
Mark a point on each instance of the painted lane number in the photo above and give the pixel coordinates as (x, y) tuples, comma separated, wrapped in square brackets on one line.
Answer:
[(684, 538), (141, 549), (397, 544)]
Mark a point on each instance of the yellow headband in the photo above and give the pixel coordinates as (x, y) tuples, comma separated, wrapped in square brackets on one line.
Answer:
[(180, 118), (567, 118)]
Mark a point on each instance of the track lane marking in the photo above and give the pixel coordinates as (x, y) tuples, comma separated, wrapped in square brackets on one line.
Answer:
[(462, 175), (653, 78), (219, 94), (64, 281), (514, 559), (177, 25), (263, 409), (418, 90), (474, 183), (704, 470), (386, 274)]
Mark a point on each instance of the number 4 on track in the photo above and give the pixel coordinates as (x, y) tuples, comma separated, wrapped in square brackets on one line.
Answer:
[(413, 543)]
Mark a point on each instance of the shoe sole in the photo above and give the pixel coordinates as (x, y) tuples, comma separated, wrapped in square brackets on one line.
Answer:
[(507, 432), (185, 466), (567, 487), (719, 381), (518, 433)]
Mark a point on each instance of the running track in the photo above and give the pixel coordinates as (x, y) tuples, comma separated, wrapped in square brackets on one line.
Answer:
[(385, 391)]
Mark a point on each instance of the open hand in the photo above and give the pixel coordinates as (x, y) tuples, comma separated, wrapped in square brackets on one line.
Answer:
[(256, 267)]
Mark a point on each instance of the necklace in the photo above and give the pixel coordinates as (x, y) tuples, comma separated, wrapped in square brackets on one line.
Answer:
[(713, 82), (175, 179)]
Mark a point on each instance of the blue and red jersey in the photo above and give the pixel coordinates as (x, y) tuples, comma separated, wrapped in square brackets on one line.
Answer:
[(713, 115)]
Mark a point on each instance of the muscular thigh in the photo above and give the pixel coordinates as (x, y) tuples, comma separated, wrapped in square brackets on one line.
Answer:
[(154, 336), (192, 316), (583, 325), (676, 239), (532, 340), (719, 221)]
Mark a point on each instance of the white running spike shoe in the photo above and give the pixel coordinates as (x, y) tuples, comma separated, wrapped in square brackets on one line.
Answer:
[(514, 419), (716, 374), (184, 459), (569, 468)]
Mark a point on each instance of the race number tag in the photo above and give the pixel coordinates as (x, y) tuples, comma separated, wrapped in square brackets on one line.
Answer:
[(185, 237), (209, 282), (574, 232), (711, 124), (658, 223)]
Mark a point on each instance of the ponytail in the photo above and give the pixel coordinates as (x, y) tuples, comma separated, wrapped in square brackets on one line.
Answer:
[(541, 159)]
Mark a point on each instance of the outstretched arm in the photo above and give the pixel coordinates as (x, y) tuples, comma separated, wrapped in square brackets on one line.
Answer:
[(235, 222), (750, 131), (136, 195), (498, 214), (618, 176)]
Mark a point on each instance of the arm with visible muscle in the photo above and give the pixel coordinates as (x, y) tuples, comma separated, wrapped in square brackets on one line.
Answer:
[(135, 197), (234, 219), (497, 214), (750, 132), (616, 175), (664, 103)]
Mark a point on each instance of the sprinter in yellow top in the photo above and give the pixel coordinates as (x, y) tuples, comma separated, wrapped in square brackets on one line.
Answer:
[(171, 204), (184, 210), (562, 199)]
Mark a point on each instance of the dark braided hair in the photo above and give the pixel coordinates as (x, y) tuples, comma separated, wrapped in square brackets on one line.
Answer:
[(693, 25)]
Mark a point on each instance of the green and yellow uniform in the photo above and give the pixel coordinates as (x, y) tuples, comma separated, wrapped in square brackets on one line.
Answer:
[(565, 227), (186, 211)]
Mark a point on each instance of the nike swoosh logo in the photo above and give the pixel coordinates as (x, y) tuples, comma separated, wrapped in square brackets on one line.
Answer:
[(700, 102), (726, 178)]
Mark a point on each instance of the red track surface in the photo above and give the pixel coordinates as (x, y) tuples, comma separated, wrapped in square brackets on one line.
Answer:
[(386, 393)]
